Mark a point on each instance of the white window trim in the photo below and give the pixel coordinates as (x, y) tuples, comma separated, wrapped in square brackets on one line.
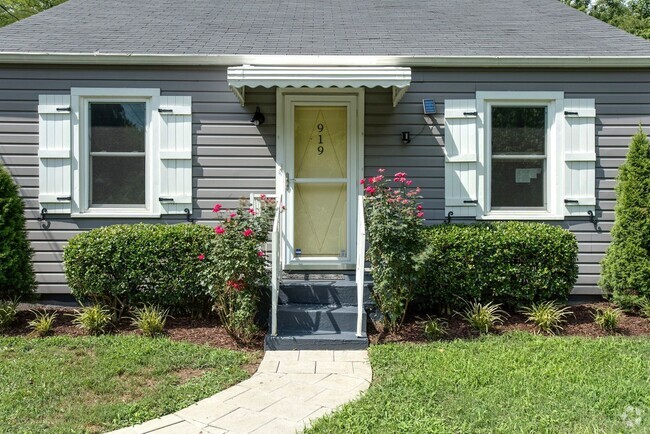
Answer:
[(80, 99), (554, 101)]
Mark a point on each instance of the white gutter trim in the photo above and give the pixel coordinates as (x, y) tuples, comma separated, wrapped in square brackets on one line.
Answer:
[(282, 60)]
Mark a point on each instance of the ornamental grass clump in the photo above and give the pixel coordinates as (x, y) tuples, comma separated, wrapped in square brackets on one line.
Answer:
[(150, 320), (235, 265), (43, 323), (8, 310), (608, 318), (547, 316), (393, 218), (483, 317), (92, 319), (433, 328)]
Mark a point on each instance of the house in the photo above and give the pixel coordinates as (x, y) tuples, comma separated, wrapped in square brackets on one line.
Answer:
[(120, 111)]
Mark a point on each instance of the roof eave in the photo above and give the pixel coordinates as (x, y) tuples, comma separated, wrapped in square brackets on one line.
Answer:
[(317, 60)]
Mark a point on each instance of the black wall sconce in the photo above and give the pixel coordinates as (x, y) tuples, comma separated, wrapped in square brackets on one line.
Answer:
[(406, 137), (258, 117)]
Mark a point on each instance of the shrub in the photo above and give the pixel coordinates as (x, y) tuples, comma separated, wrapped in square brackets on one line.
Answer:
[(393, 223), (482, 317), (235, 266), (7, 313), (123, 266), (644, 307), (150, 320), (16, 273), (548, 316), (629, 303), (626, 265), (433, 328), (42, 324), (607, 318), (93, 319), (513, 263)]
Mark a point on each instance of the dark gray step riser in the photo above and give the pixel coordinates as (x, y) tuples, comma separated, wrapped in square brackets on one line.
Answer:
[(318, 320), (306, 293), (287, 343)]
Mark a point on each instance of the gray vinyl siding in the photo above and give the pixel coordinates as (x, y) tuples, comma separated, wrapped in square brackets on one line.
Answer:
[(232, 158)]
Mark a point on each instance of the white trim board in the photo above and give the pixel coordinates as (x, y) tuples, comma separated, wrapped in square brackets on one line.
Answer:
[(316, 60)]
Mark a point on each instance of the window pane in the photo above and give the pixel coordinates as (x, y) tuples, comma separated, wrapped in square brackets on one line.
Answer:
[(117, 127), (518, 130), (518, 183), (117, 180)]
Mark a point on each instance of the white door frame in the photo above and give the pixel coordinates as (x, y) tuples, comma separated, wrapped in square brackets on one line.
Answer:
[(286, 99)]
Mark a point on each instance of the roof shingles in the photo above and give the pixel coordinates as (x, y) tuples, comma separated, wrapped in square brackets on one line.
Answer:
[(317, 27)]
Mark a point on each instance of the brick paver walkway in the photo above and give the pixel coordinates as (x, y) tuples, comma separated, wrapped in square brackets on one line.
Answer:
[(289, 390)]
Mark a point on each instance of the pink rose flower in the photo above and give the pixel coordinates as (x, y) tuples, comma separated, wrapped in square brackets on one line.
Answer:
[(201, 257), (371, 190), (262, 196), (219, 230), (381, 170), (363, 181), (251, 211), (260, 253), (420, 214), (419, 207), (409, 182), (217, 208), (248, 232), (233, 214)]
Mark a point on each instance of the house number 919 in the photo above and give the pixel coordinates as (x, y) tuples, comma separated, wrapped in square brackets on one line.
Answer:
[(320, 139)]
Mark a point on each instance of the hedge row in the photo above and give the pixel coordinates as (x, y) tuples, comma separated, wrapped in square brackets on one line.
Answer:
[(126, 265), (514, 263)]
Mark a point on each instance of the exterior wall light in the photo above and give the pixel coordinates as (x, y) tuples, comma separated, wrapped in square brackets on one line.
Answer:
[(406, 137), (258, 117)]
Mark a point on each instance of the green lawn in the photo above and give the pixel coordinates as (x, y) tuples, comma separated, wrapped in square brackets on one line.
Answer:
[(517, 383), (95, 384)]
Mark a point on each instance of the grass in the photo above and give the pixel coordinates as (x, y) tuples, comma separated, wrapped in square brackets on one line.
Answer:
[(95, 384), (516, 383)]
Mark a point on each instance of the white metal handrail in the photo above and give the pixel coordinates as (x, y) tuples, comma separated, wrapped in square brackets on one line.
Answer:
[(276, 265), (361, 264)]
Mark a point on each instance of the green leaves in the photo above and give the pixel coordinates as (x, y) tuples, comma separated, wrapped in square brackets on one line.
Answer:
[(514, 263), (123, 266), (16, 273), (626, 266), (393, 226)]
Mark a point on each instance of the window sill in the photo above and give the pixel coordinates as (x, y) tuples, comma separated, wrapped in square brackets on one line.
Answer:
[(115, 214), (520, 215)]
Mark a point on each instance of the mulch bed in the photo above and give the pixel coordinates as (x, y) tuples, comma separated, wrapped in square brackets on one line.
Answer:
[(197, 331), (209, 332), (581, 323)]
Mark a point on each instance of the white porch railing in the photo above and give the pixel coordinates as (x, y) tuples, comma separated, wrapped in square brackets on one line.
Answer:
[(361, 264), (276, 265)]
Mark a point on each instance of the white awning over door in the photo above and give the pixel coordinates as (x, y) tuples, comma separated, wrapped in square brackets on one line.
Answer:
[(241, 77)]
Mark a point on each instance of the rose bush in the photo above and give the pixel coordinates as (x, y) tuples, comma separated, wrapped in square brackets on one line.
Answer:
[(394, 218), (235, 265)]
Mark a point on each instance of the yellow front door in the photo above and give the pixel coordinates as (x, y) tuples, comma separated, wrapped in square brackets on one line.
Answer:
[(321, 145)]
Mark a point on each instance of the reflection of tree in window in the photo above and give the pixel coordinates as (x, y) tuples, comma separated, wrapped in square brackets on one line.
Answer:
[(117, 145)]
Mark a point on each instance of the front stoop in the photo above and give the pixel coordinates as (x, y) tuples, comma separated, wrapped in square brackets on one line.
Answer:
[(319, 313)]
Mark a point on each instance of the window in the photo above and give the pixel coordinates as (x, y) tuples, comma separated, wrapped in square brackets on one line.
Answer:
[(115, 152), (519, 156), (117, 170)]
